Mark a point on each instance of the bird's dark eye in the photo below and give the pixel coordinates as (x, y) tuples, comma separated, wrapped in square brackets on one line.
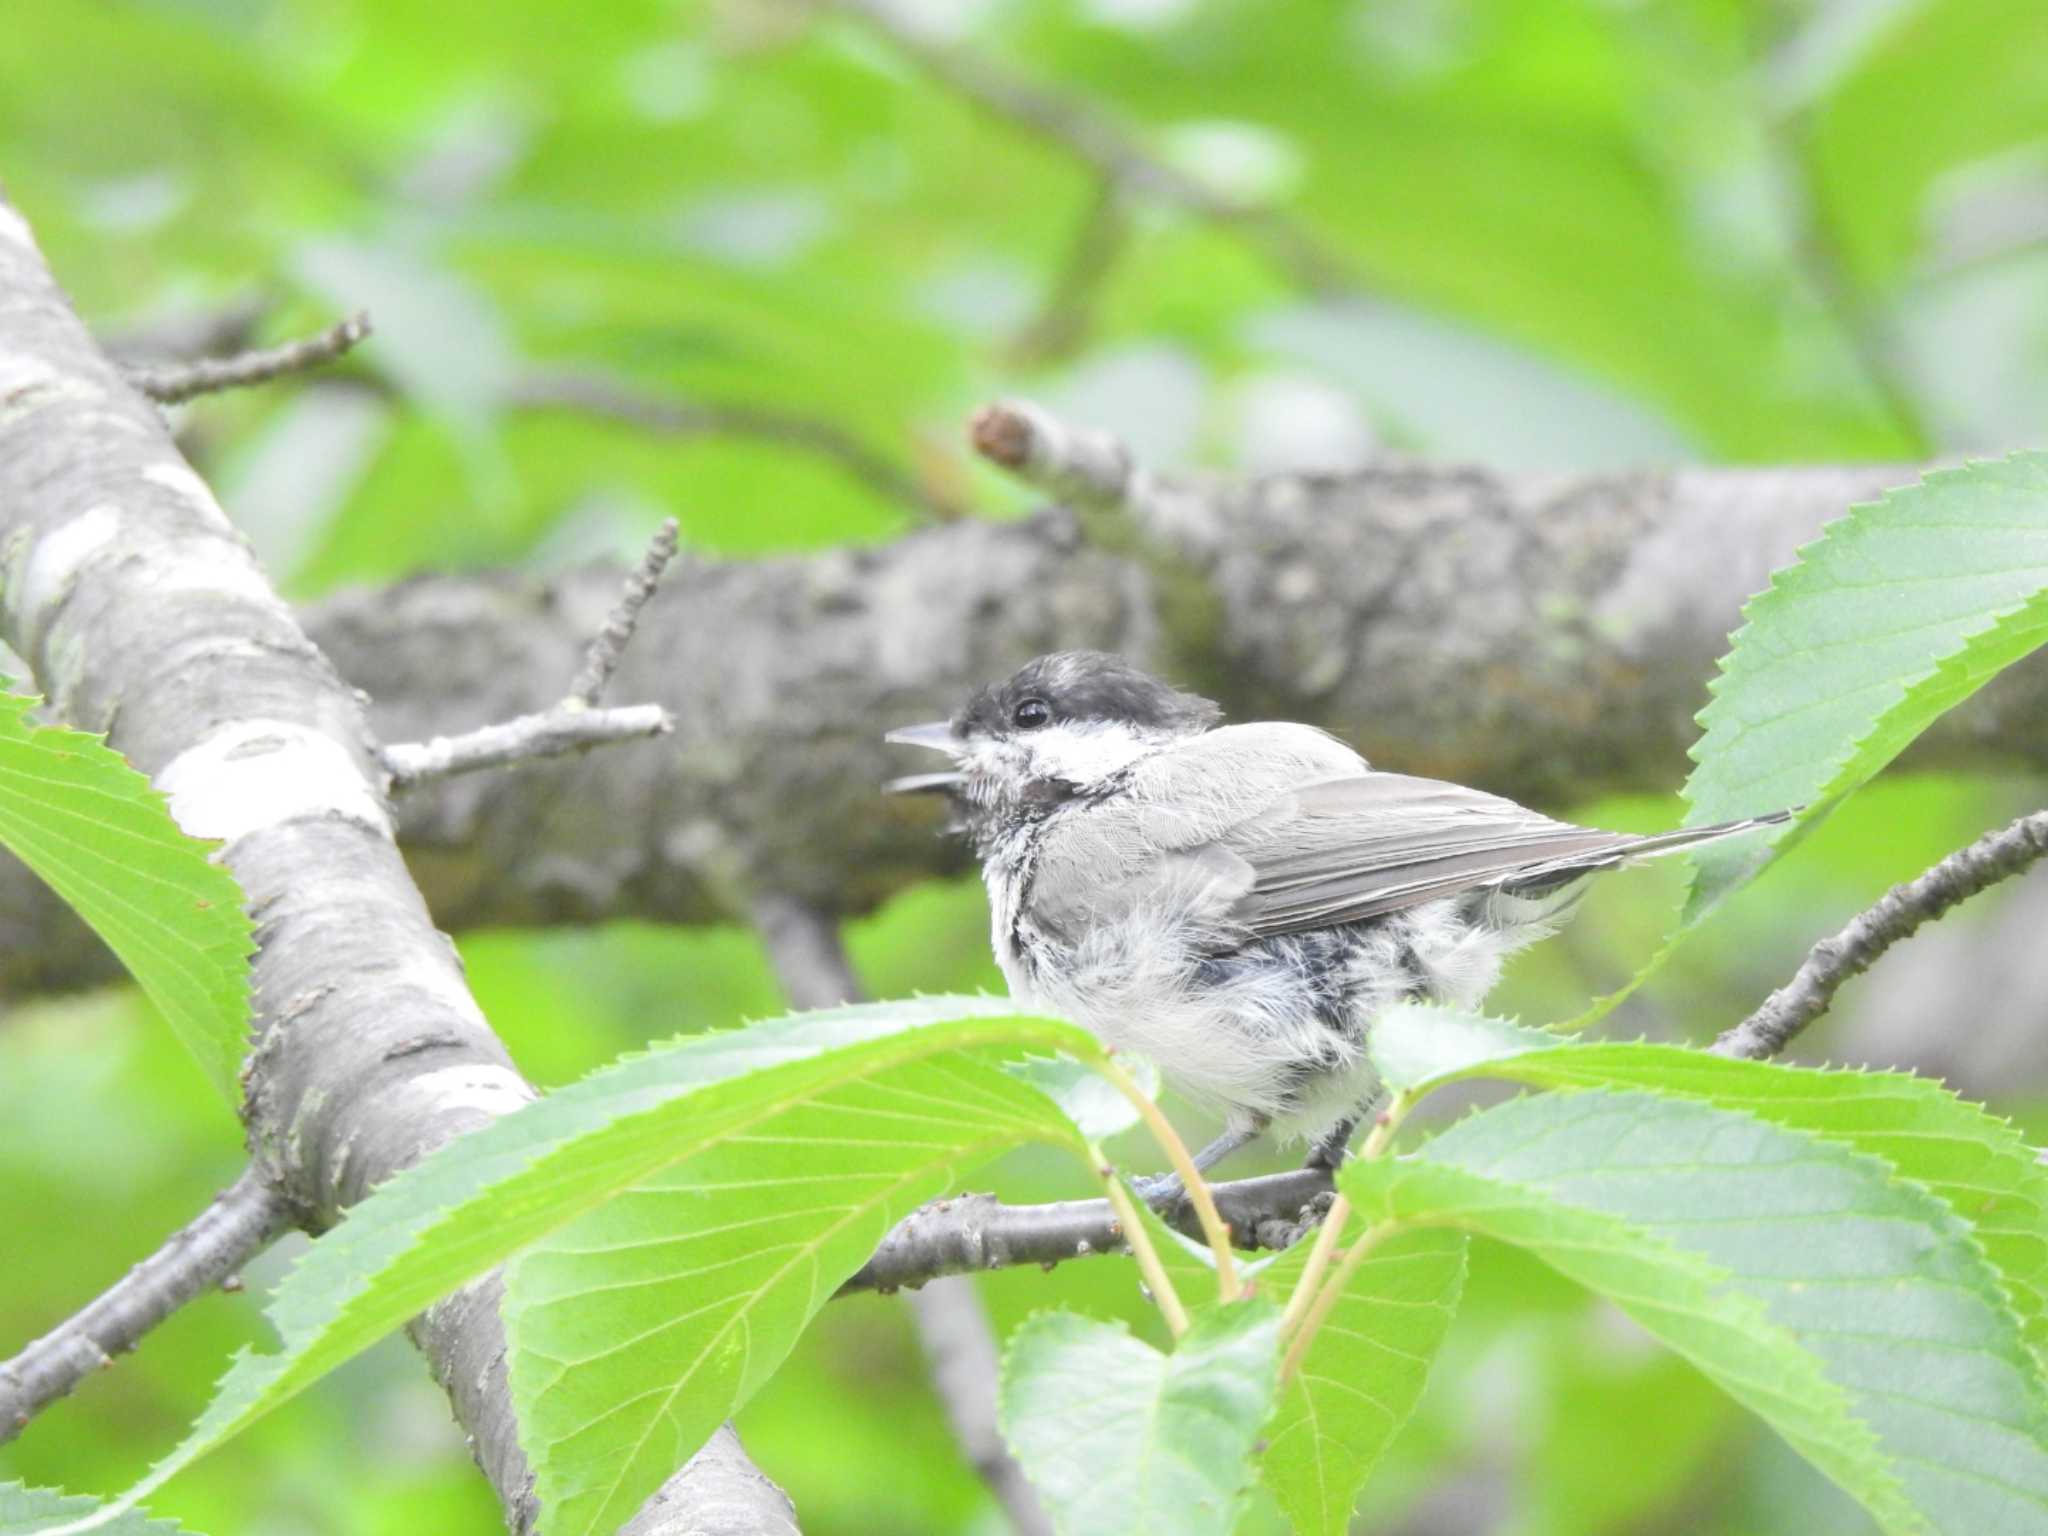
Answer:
[(1031, 714)]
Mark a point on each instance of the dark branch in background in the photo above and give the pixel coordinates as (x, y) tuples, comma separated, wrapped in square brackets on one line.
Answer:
[(1116, 154), (242, 1221), (142, 614), (169, 383), (809, 960), (573, 725), (1897, 915), (610, 399), (1817, 250), (960, 1349), (1068, 308)]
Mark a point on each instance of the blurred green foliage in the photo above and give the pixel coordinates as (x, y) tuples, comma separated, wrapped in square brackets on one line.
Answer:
[(1573, 232)]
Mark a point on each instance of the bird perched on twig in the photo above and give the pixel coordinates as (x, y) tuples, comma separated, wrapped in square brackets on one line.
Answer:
[(1238, 903)]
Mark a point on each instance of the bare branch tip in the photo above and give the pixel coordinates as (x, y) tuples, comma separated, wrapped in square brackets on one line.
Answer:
[(1002, 434)]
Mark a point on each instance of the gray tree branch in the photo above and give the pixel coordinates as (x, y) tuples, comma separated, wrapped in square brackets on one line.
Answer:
[(596, 395), (143, 615), (809, 960), (1897, 915), (242, 1221)]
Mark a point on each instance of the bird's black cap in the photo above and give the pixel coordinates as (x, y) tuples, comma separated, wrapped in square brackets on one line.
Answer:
[(1086, 685)]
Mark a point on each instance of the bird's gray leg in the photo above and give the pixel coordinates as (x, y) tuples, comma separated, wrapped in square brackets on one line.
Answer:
[(1330, 1152), (1162, 1191)]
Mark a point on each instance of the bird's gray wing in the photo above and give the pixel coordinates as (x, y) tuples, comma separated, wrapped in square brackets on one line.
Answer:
[(1363, 846), (1263, 829), (1158, 846)]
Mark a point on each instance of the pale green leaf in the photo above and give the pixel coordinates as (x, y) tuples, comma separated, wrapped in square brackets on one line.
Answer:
[(1973, 1161), (98, 833), (1849, 1309), (1896, 614), (478, 1200), (639, 1327), (1363, 1373), (1093, 1103), (1122, 1440)]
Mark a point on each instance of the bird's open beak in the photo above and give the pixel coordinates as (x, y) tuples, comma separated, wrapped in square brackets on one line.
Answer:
[(935, 736)]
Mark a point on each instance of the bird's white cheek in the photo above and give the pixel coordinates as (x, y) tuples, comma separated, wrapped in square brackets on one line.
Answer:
[(1085, 754)]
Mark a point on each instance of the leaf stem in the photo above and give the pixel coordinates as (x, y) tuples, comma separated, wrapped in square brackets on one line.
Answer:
[(1156, 1277), (1319, 1257), (1305, 1308), (1326, 1298), (1228, 1288)]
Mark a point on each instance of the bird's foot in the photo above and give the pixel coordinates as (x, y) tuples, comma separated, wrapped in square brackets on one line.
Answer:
[(1161, 1191), (1330, 1152)]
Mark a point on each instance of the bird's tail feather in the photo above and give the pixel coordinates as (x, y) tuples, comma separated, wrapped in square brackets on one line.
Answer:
[(1692, 837)]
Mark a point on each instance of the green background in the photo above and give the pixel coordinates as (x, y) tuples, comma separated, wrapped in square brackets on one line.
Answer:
[(1575, 232)]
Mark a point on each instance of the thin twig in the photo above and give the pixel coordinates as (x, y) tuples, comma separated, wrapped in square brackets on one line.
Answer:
[(1896, 915), (575, 724), (964, 1234), (169, 383), (809, 960), (595, 395), (240, 1223), (1109, 148), (602, 659), (959, 1346), (557, 732)]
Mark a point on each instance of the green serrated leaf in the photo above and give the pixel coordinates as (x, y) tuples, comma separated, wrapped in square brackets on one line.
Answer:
[(1896, 614), (1121, 1440), (1417, 1048), (639, 1327), (1363, 1374), (25, 1511), (475, 1202), (1849, 1309), (1971, 1160), (98, 833)]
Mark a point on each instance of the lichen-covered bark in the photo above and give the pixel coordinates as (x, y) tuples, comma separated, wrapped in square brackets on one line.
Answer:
[(143, 614), (1544, 637)]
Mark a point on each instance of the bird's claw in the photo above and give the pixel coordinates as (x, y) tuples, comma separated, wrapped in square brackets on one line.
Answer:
[(1161, 1191)]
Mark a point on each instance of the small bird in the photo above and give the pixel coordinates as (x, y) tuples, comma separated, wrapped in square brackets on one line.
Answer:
[(1238, 903)]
